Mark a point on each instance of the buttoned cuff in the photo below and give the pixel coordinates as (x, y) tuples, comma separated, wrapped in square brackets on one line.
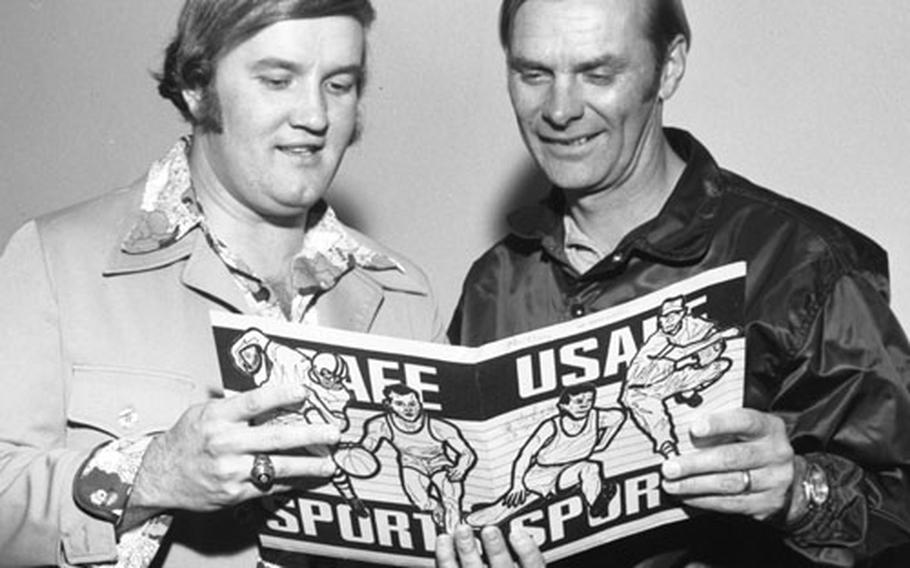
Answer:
[(101, 488), (103, 483)]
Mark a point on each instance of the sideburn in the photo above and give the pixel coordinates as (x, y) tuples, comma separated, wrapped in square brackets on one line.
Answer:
[(208, 111)]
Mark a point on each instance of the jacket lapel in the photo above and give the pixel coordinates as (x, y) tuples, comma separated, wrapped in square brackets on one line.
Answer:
[(352, 303), (206, 273)]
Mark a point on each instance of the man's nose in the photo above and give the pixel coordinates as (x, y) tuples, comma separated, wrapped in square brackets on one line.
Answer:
[(310, 112), (564, 102)]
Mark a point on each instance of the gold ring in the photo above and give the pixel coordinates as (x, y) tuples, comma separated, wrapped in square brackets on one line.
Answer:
[(747, 481), (263, 472)]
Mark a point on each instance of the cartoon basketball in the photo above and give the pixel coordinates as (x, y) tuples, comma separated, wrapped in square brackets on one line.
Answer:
[(356, 461)]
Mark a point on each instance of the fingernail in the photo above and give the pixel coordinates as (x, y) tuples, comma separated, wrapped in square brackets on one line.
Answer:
[(700, 428), (671, 486), (463, 533), (492, 534), (671, 469)]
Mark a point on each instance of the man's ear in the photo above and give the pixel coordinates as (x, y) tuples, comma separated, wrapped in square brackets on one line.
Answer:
[(193, 100), (674, 68)]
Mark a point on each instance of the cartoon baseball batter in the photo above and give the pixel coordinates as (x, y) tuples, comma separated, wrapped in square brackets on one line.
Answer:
[(680, 359)]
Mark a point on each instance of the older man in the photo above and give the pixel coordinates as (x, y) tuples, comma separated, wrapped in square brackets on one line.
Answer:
[(815, 469), (110, 382)]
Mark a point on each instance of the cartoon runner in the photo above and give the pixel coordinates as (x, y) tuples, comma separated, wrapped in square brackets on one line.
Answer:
[(557, 458), (433, 456), (324, 375), (681, 358)]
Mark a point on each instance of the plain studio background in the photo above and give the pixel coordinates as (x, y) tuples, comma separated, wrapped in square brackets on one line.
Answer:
[(805, 97)]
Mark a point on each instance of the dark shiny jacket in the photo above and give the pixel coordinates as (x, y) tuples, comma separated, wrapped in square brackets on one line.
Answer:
[(825, 352)]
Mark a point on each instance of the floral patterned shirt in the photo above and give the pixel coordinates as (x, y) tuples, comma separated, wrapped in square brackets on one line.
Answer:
[(169, 212)]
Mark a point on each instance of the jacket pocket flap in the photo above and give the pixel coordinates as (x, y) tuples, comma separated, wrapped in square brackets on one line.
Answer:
[(127, 402)]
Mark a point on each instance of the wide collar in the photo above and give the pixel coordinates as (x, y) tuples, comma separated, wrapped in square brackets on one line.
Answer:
[(351, 304), (680, 233), (166, 226)]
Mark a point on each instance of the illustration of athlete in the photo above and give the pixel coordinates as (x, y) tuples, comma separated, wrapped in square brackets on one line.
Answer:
[(558, 457), (433, 456), (680, 359), (324, 375)]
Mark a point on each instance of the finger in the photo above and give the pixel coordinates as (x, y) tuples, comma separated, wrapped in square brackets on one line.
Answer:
[(445, 552), (727, 483), (291, 467), (749, 504), (495, 547), (288, 470), (269, 438), (466, 547), (743, 423), (718, 459), (252, 403), (529, 555)]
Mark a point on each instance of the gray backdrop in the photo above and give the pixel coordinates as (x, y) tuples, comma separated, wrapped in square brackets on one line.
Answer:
[(803, 96)]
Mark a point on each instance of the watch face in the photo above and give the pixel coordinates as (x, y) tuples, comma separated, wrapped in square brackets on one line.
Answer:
[(815, 486)]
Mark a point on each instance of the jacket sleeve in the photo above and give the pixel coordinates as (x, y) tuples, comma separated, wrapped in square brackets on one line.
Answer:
[(40, 524), (845, 400)]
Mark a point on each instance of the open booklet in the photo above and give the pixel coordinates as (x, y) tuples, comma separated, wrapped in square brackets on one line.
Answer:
[(560, 431)]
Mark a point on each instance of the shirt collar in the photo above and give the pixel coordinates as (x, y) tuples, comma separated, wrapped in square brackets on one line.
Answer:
[(169, 212), (682, 230)]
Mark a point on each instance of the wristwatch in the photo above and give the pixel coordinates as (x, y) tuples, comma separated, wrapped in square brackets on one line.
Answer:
[(816, 491), (815, 486)]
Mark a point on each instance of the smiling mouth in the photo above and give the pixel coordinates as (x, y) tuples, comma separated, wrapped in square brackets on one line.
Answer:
[(300, 149), (574, 142)]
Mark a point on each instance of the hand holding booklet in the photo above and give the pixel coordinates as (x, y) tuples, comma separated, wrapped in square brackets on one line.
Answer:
[(560, 431)]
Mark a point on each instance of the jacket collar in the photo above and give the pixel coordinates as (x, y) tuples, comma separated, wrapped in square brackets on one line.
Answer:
[(166, 226), (351, 304), (681, 232)]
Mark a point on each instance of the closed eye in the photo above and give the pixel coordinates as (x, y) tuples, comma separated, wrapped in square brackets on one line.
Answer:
[(601, 79), (532, 75), (275, 82), (341, 85)]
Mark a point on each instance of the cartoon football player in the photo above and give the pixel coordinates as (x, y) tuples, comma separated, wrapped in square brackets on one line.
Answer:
[(270, 362)]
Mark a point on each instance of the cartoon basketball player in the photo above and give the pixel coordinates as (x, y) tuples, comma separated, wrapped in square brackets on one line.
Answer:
[(558, 457), (433, 456), (269, 362), (681, 358)]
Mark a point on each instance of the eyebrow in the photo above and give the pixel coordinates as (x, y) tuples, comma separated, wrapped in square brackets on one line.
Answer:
[(612, 62), (278, 63)]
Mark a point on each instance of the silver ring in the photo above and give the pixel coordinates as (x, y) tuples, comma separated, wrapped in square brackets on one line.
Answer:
[(747, 481), (263, 472)]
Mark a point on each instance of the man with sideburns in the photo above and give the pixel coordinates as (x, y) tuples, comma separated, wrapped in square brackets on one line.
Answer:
[(814, 469), (111, 384)]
